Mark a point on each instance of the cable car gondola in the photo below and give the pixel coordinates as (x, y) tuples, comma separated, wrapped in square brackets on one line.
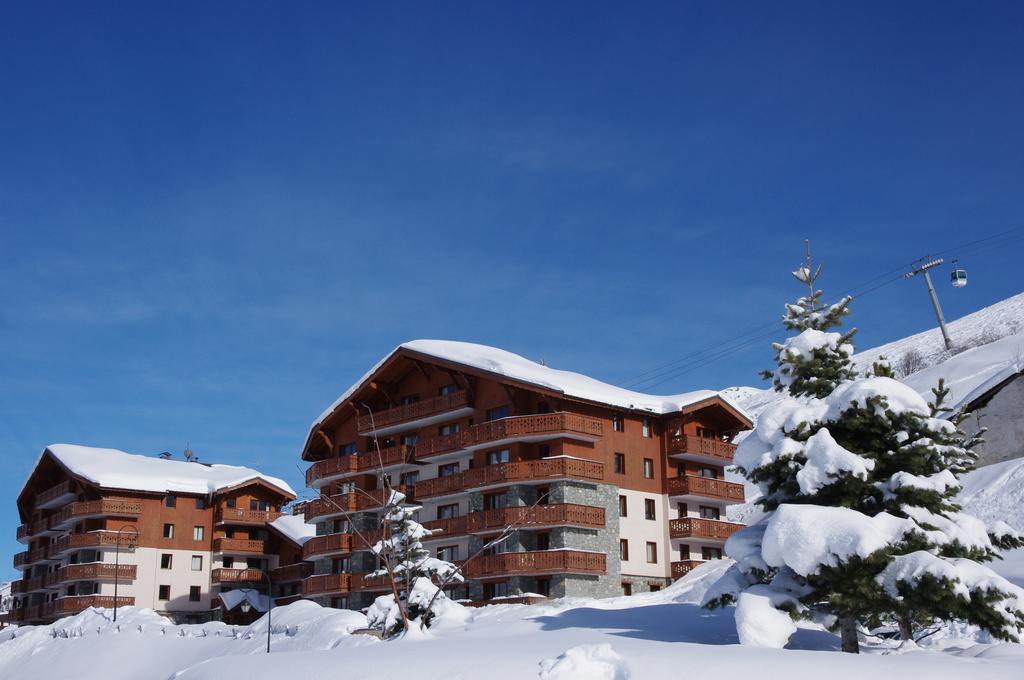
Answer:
[(958, 277)]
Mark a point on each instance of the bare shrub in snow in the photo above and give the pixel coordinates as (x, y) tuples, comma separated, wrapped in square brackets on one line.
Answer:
[(911, 362)]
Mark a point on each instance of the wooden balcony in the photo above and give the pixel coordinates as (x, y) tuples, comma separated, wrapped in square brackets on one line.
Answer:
[(72, 605), (239, 546), (701, 448), (516, 428), (27, 558), (107, 507), (538, 562), (55, 496), (512, 473), (342, 503), (249, 517), (327, 584), (561, 514), (331, 544), (683, 567), (23, 533), (237, 576), (93, 539), (332, 468), (39, 526), (28, 585), (92, 571), (407, 414), (21, 560), (447, 527), (291, 572), (692, 485), (702, 529)]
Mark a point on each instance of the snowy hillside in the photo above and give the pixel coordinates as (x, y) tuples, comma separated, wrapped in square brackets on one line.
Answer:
[(644, 637)]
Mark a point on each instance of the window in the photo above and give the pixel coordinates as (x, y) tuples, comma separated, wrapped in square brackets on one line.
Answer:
[(624, 549), (543, 540), (543, 451), (649, 508), (618, 423), (684, 551), (200, 503), (349, 449), (408, 399), (497, 413), (445, 390), (165, 560), (708, 512), (448, 553), (171, 500), (197, 563), (230, 502), (709, 473), (543, 495), (409, 478), (168, 531), (262, 506), (681, 509), (495, 589), (450, 428), (447, 470), (648, 468), (193, 593), (497, 457), (620, 463), (543, 407), (340, 602), (228, 562), (711, 553), (164, 593), (652, 552), (622, 506), (495, 501), (544, 587), (647, 427), (448, 511), (197, 533), (680, 470), (627, 588), (410, 440)]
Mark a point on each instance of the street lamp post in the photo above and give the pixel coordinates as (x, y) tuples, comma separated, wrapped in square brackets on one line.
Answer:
[(117, 560), (270, 603)]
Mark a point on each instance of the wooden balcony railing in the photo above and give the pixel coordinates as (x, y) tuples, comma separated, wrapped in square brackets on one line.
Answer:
[(541, 515), (352, 501), (420, 409), (34, 528), (291, 572), (552, 424), (692, 485), (360, 462), (239, 545), (23, 533), (327, 583), (449, 526), (538, 562), (240, 516), (237, 576), (75, 604), (97, 571), (683, 567), (27, 558), (53, 493), (508, 473), (21, 560), (27, 585), (115, 507), (702, 446), (697, 527), (327, 545), (93, 539)]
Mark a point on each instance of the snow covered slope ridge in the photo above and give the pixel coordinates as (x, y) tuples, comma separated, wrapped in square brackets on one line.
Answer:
[(502, 362)]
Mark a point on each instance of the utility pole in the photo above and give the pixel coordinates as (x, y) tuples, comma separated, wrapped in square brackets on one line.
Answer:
[(923, 269)]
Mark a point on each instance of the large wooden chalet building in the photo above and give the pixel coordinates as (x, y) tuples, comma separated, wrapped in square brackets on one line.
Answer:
[(613, 491)]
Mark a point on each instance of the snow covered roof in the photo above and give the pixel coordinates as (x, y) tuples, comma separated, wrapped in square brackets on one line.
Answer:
[(973, 372), (113, 469), (509, 365), (295, 528)]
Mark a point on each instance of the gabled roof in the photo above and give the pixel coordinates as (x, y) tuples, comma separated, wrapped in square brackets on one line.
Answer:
[(294, 528), (504, 364), (113, 469)]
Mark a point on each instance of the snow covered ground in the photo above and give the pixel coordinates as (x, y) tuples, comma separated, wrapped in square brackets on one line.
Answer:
[(655, 635)]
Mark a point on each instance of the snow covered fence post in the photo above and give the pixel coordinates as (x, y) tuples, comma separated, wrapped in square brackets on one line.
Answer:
[(857, 476)]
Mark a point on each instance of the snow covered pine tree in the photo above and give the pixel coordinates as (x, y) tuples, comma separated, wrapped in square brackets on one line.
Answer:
[(409, 568), (857, 476)]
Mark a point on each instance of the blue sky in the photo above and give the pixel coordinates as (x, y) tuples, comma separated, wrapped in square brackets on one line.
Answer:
[(212, 220)]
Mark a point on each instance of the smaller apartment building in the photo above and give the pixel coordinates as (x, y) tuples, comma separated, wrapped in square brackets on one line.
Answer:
[(171, 535), (611, 491)]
